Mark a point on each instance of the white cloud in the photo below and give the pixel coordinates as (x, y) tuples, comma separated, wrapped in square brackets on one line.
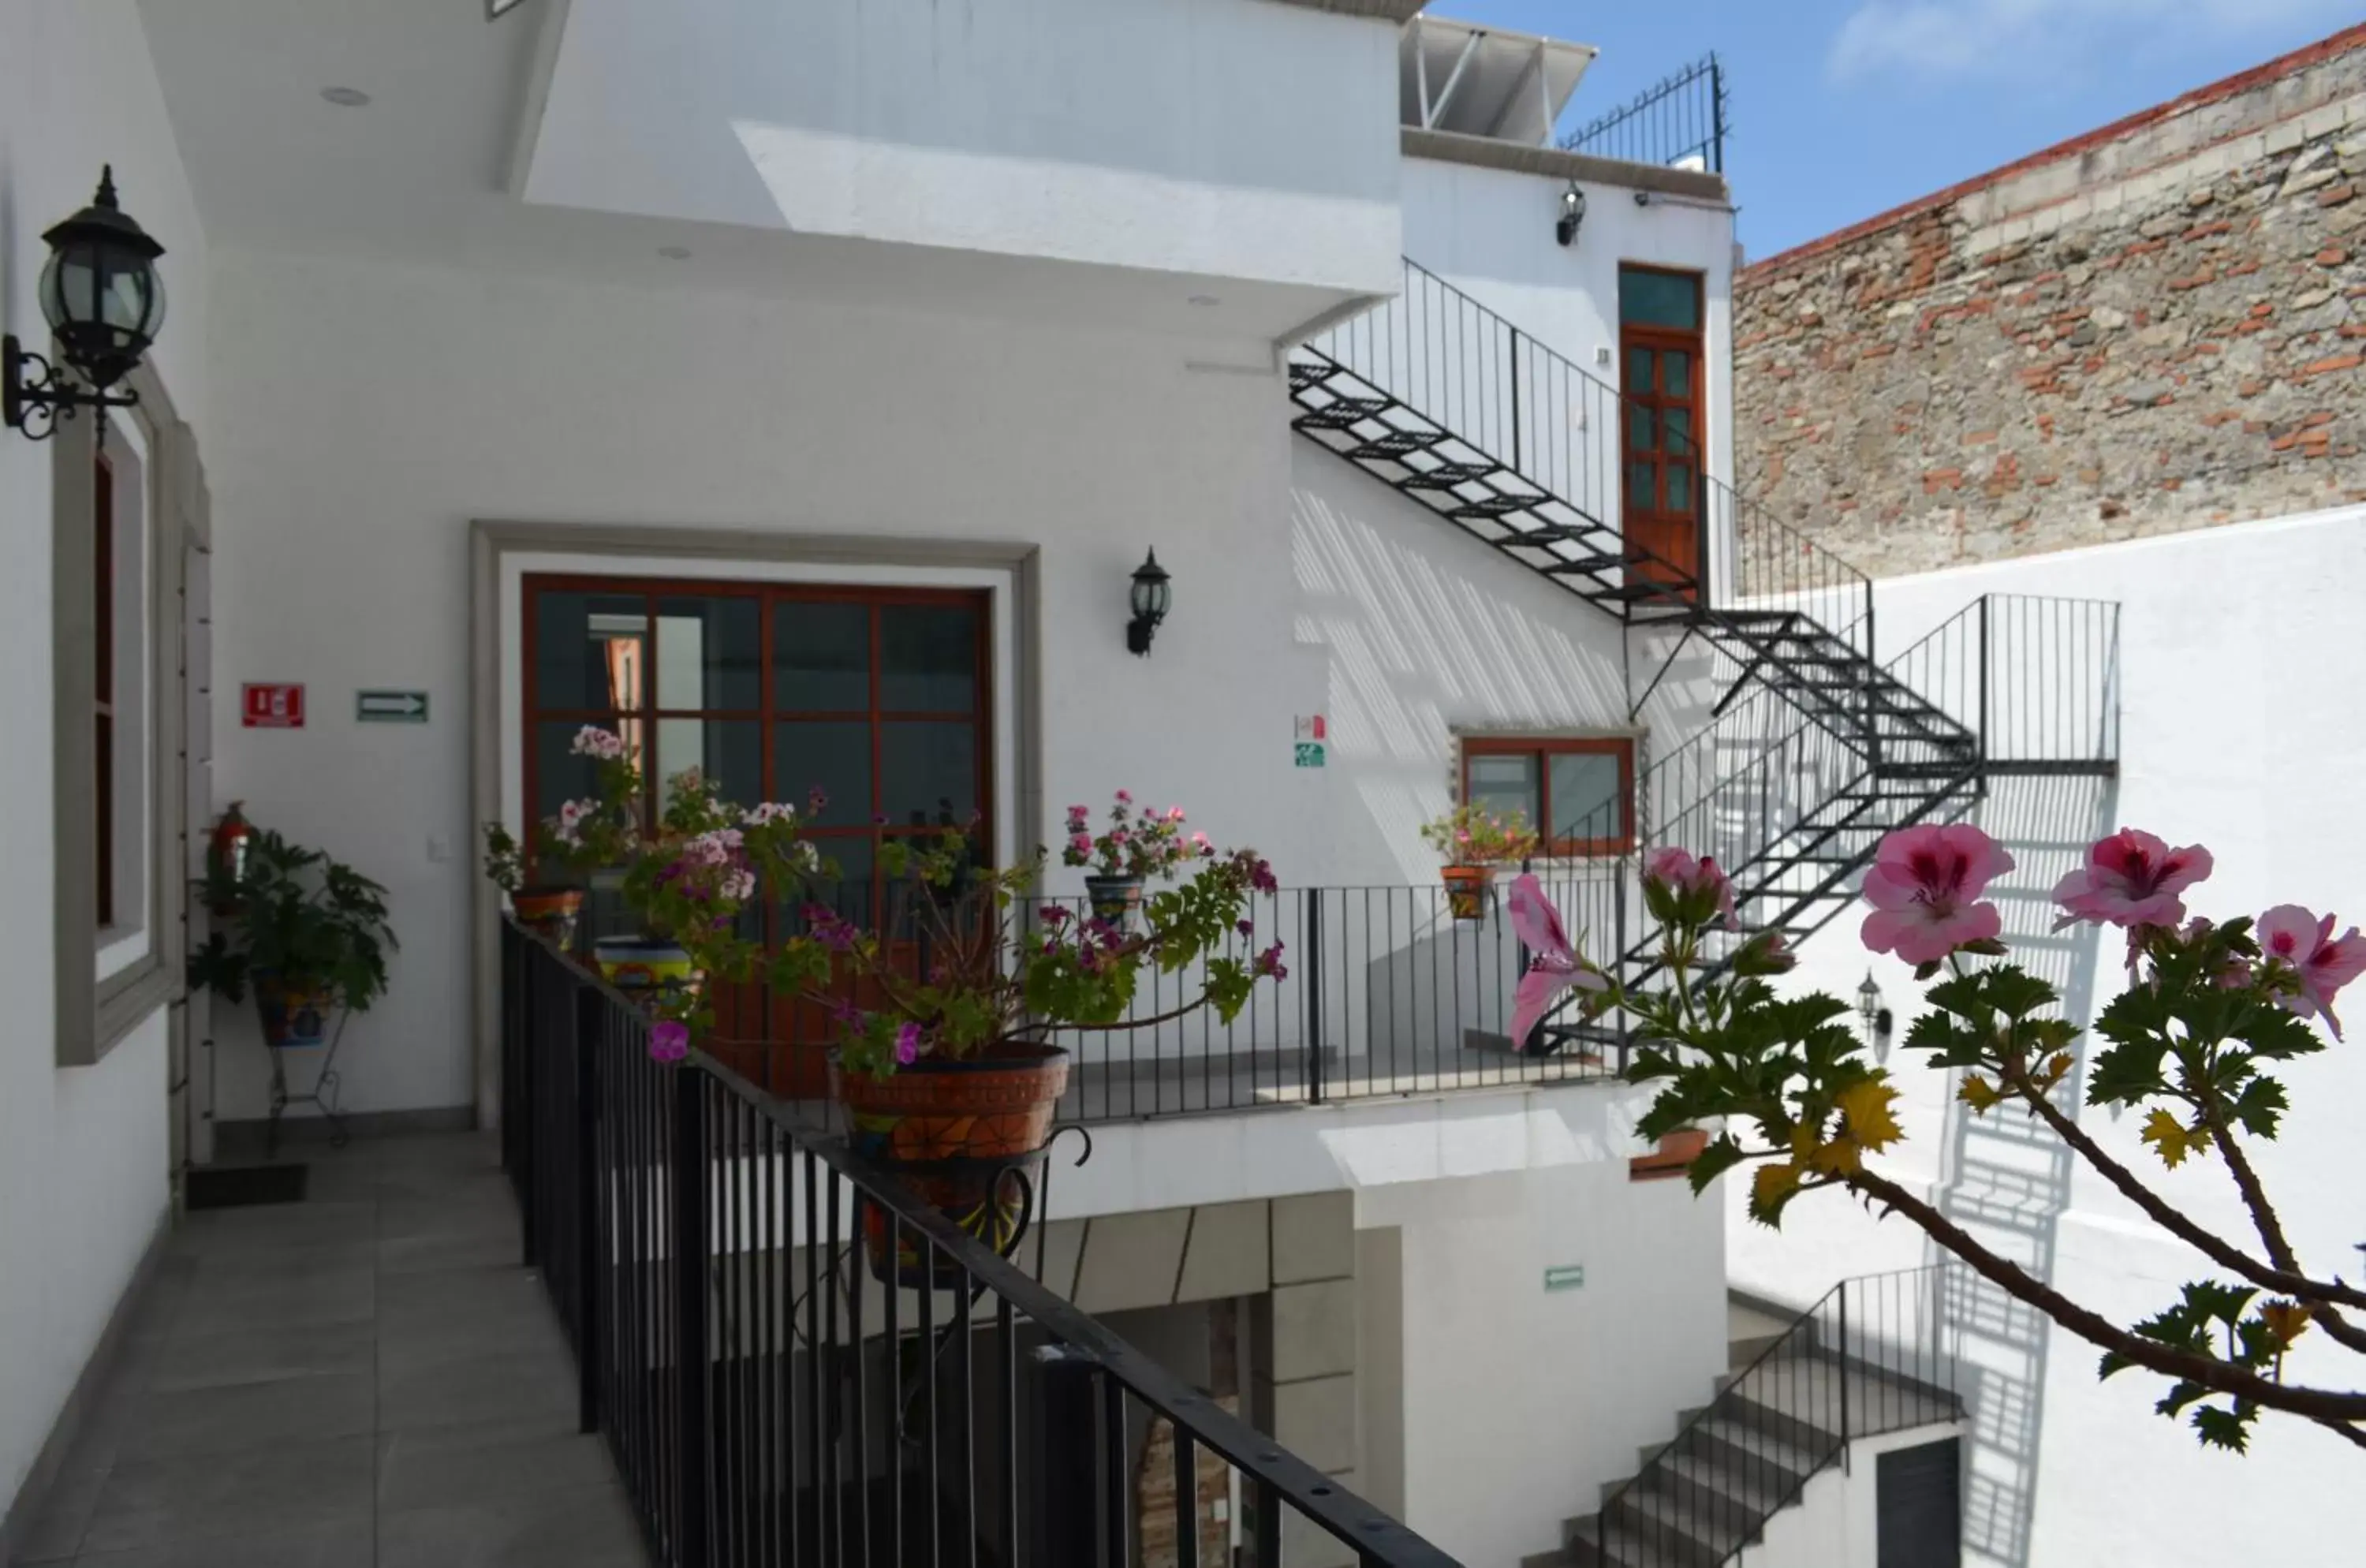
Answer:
[(1996, 38)]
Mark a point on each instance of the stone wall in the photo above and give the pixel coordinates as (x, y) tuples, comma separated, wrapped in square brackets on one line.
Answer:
[(2158, 326)]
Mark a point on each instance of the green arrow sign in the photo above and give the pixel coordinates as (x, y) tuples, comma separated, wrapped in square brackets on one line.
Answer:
[(391, 707)]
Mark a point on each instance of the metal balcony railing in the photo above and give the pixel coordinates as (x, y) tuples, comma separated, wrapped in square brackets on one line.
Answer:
[(770, 1397), (1680, 122), (2036, 678)]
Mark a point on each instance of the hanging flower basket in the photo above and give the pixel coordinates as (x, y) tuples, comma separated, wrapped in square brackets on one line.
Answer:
[(1467, 888), (967, 1135), (550, 913), (1116, 899)]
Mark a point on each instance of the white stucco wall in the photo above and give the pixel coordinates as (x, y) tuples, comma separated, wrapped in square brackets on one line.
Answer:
[(1517, 1402), (1836, 1521), (83, 1150), (1218, 138), (2240, 731)]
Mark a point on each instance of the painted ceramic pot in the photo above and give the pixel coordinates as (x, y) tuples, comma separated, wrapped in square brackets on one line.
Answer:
[(1466, 890), (550, 913), (641, 963), (966, 1136), (293, 1016), (1116, 899)]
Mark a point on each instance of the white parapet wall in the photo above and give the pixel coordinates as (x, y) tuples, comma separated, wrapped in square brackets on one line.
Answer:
[(2240, 730)]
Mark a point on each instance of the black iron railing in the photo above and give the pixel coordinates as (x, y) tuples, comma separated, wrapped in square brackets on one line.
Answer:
[(1875, 1355), (2036, 677), (1565, 431), (773, 1394), (1682, 121)]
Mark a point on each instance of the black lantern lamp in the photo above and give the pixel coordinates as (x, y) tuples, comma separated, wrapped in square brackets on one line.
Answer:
[(1152, 594), (1878, 1024), (104, 302), (1573, 215)]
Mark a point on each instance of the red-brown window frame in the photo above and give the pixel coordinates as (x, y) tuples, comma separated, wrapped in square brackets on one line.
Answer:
[(1543, 746), (103, 805), (766, 714)]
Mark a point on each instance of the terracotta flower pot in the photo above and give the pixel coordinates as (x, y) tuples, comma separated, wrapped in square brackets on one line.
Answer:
[(550, 913), (968, 1137), (1466, 890), (1116, 899), (293, 1016)]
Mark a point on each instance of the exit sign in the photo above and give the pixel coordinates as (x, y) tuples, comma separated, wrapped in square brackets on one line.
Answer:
[(272, 704), (1565, 1277)]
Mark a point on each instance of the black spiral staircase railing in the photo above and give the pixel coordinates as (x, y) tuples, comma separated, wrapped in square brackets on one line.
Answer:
[(1814, 750)]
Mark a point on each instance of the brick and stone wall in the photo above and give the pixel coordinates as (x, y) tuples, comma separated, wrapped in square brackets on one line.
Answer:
[(2158, 326)]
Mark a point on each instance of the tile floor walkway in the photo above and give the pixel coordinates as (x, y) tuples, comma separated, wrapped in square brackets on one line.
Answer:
[(364, 1378)]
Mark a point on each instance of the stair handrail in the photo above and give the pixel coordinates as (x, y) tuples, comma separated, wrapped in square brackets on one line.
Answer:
[(1885, 1298), (1472, 371)]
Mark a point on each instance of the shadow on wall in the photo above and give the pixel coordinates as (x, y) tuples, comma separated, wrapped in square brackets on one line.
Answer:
[(1418, 650), (2008, 1178)]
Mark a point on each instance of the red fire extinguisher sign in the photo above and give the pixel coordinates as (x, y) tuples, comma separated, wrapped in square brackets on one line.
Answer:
[(274, 705)]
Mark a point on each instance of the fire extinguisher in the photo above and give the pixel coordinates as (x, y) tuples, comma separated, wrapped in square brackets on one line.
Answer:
[(226, 852)]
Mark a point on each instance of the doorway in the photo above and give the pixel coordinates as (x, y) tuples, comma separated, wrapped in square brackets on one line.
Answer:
[(875, 701), (1660, 339)]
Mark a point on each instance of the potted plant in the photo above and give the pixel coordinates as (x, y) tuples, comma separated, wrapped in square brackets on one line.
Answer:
[(1474, 841), (549, 909), (597, 833), (952, 1073), (309, 936), (1136, 846)]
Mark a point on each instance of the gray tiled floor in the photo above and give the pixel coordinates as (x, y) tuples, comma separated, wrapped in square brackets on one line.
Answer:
[(367, 1377)]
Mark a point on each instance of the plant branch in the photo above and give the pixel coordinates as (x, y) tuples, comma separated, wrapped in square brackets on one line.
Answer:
[(2323, 1406), (2291, 1282), (2271, 1229)]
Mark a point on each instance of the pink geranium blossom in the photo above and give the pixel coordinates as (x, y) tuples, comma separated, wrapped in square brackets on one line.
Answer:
[(2321, 963), (669, 1040), (2130, 879), (907, 1044), (1687, 878), (1925, 888), (1557, 966)]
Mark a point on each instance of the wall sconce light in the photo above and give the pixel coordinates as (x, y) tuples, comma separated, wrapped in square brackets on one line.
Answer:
[(1573, 215), (1152, 595), (1642, 199), (1875, 1017), (104, 302)]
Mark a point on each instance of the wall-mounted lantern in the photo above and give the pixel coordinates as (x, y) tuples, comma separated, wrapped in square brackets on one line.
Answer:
[(1152, 595), (1875, 1017), (104, 303), (1573, 215)]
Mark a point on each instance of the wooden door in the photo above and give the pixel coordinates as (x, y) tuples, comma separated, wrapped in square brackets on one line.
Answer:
[(1660, 355)]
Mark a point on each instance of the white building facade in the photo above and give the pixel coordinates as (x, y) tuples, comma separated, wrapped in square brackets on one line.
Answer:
[(701, 358)]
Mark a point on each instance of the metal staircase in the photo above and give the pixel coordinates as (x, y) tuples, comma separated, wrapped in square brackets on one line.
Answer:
[(1813, 750)]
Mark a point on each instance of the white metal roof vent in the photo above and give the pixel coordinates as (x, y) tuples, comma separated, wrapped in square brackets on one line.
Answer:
[(1485, 81)]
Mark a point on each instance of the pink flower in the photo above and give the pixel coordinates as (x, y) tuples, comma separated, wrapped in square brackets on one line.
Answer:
[(2321, 961), (740, 884), (1556, 966), (1270, 963), (1120, 836), (1082, 843), (1053, 915), (1174, 814), (1124, 797), (1078, 813), (907, 1044), (2130, 879), (669, 1040), (1261, 877), (593, 741), (1246, 927), (1697, 885), (816, 800), (1924, 889)]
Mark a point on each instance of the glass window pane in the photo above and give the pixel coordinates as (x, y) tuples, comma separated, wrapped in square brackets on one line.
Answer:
[(1678, 423), (709, 653), (1659, 299), (928, 658), (1587, 800), (930, 773), (1638, 370), (821, 657), (1678, 495), (1676, 373), (833, 755), (851, 893), (1503, 784), (1642, 480), (589, 649), (728, 751), (1642, 427)]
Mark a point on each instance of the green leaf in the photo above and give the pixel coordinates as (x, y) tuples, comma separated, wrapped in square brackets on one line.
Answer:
[(2226, 1428), (2259, 1107), (1721, 1155), (2015, 992)]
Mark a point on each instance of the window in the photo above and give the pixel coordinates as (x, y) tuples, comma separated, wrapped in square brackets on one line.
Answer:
[(102, 533), (1578, 793), (122, 837)]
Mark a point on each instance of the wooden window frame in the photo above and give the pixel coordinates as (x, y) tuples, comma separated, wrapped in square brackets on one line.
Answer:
[(1543, 746), (767, 713)]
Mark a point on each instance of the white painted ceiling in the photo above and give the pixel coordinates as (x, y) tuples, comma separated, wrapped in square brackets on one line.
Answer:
[(422, 173)]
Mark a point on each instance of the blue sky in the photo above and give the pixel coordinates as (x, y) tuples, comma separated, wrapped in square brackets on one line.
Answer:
[(1842, 108)]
